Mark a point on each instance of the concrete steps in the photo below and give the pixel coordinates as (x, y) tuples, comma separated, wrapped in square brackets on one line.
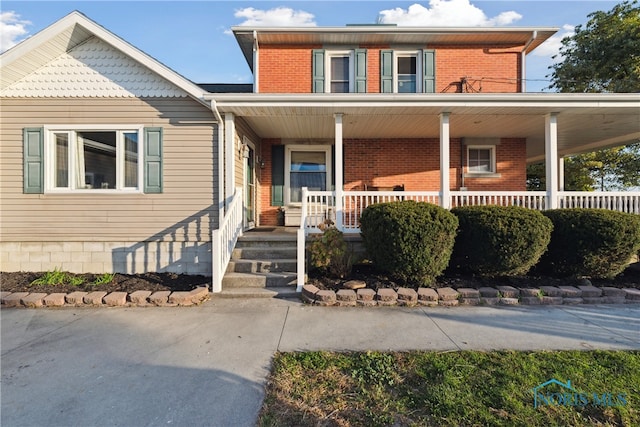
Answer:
[(262, 265)]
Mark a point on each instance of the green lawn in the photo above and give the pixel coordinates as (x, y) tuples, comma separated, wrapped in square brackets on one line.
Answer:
[(466, 388)]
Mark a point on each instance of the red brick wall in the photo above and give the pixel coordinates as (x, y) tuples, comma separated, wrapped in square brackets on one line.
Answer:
[(287, 69), (412, 162)]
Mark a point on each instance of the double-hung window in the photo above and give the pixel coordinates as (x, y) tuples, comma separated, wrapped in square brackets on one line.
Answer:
[(339, 71), (406, 66), (93, 159), (407, 71), (481, 160)]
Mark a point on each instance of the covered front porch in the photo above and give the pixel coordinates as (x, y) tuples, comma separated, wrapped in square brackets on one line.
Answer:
[(435, 133)]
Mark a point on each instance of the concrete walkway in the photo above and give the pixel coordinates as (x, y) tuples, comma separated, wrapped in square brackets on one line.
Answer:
[(207, 365)]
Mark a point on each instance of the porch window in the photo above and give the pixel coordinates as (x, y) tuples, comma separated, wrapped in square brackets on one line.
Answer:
[(307, 167), (94, 159), (481, 159)]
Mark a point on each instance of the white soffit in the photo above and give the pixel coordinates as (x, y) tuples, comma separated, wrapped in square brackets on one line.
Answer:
[(93, 69)]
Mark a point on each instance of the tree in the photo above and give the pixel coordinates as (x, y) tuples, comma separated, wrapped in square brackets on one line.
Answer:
[(604, 56)]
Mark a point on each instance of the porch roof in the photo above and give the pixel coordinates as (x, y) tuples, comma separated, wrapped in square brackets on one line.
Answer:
[(586, 122)]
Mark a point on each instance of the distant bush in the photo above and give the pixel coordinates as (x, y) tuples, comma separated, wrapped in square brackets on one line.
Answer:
[(410, 240), (590, 242), (499, 240)]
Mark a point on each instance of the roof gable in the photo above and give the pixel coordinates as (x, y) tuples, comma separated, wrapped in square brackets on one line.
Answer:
[(69, 42), (95, 69)]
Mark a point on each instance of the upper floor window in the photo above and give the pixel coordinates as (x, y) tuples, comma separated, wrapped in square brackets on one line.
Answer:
[(407, 71), (339, 71)]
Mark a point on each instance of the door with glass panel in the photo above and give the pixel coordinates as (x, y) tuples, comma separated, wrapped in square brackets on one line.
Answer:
[(307, 166)]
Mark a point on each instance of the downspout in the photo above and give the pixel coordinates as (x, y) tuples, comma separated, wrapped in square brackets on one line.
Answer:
[(256, 76), (523, 84), (220, 166)]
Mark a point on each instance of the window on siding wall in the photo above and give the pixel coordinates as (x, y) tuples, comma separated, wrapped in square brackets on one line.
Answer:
[(94, 160), (481, 159)]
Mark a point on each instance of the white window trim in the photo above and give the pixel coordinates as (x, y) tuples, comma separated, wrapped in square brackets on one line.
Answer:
[(49, 158), (287, 167), (419, 70), (327, 66), (490, 174)]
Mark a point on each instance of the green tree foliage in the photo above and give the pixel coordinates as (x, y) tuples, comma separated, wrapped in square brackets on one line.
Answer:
[(603, 56), (605, 170)]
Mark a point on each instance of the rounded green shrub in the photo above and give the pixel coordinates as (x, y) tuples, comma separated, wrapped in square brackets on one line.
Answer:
[(499, 240), (590, 242), (410, 240)]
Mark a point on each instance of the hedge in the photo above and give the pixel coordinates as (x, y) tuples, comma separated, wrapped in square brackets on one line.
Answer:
[(499, 240), (410, 240)]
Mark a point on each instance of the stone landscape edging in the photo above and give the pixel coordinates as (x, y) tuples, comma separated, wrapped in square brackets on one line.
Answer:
[(449, 297), (106, 299)]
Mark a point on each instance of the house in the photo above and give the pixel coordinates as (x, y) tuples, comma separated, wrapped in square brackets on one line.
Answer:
[(336, 118)]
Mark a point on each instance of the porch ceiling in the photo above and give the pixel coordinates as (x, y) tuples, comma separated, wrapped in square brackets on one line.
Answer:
[(585, 121)]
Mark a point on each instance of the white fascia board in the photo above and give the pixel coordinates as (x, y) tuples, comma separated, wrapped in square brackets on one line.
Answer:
[(548, 100)]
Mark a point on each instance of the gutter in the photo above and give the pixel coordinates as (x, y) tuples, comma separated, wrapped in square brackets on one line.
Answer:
[(523, 84)]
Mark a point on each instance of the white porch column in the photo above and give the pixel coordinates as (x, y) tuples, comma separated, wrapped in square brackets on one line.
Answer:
[(445, 187), (339, 172), (551, 157), (561, 174), (229, 154)]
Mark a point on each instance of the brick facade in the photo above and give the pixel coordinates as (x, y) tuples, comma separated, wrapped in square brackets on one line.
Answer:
[(287, 69), (414, 163)]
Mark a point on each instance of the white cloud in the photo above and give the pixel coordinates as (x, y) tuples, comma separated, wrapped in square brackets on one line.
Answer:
[(552, 45), (12, 30), (445, 13), (277, 17)]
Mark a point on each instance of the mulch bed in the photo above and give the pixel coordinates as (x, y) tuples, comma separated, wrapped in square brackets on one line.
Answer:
[(21, 282), (375, 280)]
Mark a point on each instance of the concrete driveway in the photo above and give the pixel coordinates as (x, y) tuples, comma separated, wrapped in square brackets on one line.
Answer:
[(207, 365)]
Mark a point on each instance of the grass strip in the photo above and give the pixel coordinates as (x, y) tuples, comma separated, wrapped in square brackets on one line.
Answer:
[(466, 388)]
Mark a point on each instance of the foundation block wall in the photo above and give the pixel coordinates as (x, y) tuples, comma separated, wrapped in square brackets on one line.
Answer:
[(107, 257)]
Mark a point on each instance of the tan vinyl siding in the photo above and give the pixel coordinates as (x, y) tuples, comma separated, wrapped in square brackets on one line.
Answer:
[(183, 212)]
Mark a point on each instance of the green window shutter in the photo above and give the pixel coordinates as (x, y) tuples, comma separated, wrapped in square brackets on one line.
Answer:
[(360, 70), (33, 157), (317, 65), (277, 175), (386, 71), (429, 70), (153, 160)]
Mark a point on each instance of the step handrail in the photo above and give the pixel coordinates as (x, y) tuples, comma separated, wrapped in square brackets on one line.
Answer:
[(224, 239)]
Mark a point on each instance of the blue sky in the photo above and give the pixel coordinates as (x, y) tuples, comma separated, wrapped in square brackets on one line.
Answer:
[(192, 37)]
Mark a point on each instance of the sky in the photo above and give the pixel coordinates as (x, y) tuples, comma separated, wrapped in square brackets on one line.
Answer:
[(193, 37)]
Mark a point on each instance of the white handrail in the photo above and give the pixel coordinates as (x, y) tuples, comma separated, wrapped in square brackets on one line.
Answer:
[(621, 201), (528, 199), (223, 240)]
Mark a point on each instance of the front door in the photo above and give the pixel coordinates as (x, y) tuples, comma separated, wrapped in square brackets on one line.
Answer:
[(249, 186)]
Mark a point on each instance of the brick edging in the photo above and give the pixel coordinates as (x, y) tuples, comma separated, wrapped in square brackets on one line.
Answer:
[(449, 297), (105, 299)]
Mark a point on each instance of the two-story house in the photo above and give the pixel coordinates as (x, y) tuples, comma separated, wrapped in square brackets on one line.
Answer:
[(110, 161)]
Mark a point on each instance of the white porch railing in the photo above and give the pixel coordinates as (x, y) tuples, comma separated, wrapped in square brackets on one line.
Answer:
[(223, 240), (528, 199), (318, 206), (620, 201)]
